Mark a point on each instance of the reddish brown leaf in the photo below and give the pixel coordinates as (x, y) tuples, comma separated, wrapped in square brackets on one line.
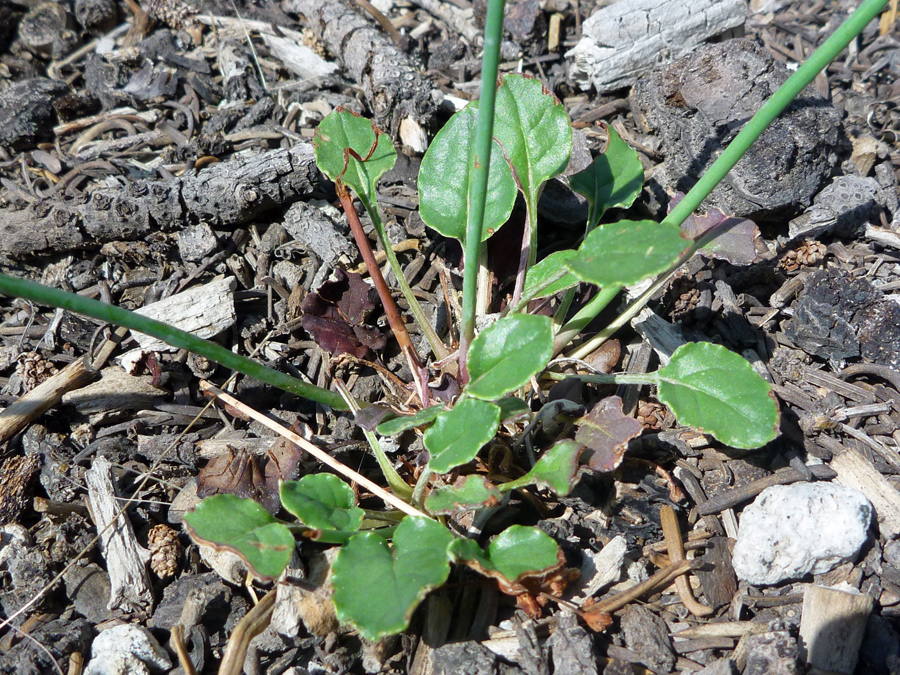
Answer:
[(334, 316), (239, 473), (736, 241), (605, 432), (596, 621)]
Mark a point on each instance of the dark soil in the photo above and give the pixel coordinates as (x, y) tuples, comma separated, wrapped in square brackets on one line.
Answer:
[(140, 160)]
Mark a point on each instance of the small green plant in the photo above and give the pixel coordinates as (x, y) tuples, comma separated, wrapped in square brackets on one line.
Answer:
[(377, 584), (513, 140)]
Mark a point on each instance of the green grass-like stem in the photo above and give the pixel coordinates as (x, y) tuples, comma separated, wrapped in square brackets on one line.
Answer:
[(583, 317), (480, 162), (394, 479), (54, 297)]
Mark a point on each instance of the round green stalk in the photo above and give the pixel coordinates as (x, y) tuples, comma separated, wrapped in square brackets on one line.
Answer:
[(480, 162), (54, 297)]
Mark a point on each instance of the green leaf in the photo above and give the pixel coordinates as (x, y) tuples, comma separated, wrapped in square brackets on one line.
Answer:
[(469, 492), (376, 588), (343, 129), (506, 354), (519, 550), (717, 391), (458, 434), (626, 252), (557, 469), (444, 180), (533, 128), (322, 501), (614, 180), (545, 270), (397, 425), (512, 408), (516, 554), (243, 527)]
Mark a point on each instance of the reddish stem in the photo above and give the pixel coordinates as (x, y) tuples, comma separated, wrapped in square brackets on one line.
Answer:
[(420, 376)]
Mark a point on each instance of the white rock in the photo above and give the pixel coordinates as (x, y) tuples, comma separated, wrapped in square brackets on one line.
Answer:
[(127, 650), (116, 664), (794, 530)]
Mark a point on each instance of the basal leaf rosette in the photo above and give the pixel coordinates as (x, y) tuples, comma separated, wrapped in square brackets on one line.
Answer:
[(377, 586)]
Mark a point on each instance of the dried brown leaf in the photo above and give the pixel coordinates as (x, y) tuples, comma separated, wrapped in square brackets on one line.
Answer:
[(605, 432)]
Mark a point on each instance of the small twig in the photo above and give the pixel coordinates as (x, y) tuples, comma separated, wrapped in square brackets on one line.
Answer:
[(884, 372), (383, 21), (319, 454), (98, 129), (253, 623), (64, 182), (76, 663), (381, 256), (140, 24), (672, 535), (176, 640), (661, 578), (675, 492), (262, 76), (394, 480), (53, 70), (726, 500)]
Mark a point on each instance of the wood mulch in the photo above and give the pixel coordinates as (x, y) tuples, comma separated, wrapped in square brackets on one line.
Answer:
[(148, 153)]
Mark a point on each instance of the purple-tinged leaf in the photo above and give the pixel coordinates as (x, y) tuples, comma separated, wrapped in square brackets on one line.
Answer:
[(334, 316), (605, 431), (736, 238)]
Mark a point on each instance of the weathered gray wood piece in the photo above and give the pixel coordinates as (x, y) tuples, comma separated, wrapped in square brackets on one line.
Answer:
[(648, 636), (116, 391), (125, 559), (26, 110), (626, 39), (572, 648), (402, 99), (203, 311), (225, 195), (833, 626)]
